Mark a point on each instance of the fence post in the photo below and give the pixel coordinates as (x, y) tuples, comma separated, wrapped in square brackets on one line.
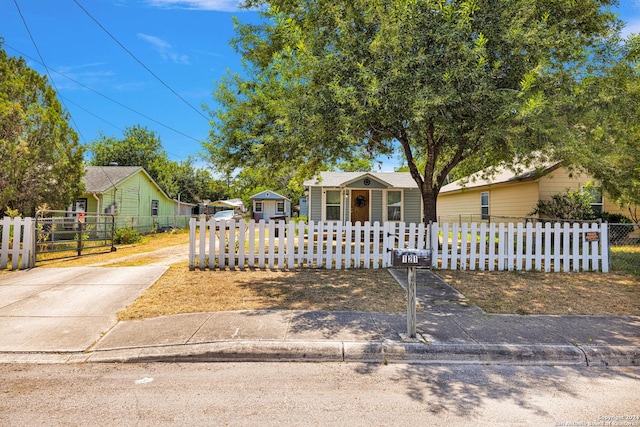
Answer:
[(192, 243), (604, 246), (411, 301)]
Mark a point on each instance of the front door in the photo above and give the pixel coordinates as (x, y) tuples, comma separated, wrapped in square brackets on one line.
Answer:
[(360, 205)]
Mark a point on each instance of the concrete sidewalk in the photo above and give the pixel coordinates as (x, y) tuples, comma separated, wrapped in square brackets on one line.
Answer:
[(450, 330), (65, 310)]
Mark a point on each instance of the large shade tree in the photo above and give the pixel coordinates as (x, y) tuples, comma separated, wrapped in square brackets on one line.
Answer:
[(607, 131), (40, 158), (140, 146), (463, 84)]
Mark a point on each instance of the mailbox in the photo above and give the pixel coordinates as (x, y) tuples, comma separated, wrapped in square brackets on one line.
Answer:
[(411, 258)]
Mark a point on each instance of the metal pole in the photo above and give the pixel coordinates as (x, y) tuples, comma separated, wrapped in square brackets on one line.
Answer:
[(411, 302), (80, 238)]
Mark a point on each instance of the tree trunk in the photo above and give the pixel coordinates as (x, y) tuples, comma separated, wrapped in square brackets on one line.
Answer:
[(429, 197)]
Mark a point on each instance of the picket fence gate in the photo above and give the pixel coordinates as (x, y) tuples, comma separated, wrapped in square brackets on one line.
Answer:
[(287, 245), (16, 243)]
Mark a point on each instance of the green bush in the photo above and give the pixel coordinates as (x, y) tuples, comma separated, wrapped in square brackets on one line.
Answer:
[(125, 236)]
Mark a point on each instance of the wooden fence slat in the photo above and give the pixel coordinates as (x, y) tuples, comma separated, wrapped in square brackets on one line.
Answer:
[(575, 256), (547, 247), (552, 247), (367, 244), (566, 247), (348, 237), (585, 248), (491, 239), (604, 239), (482, 260), (528, 252), (445, 246), (519, 249)]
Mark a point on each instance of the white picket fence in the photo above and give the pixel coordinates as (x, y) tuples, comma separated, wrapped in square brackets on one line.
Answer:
[(287, 245), (16, 243), (543, 247)]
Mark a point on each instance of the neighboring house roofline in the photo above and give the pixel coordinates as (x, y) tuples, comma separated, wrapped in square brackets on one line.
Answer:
[(100, 179), (269, 195), (501, 176)]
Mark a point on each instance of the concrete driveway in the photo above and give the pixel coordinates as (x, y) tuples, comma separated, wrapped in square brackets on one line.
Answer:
[(66, 309)]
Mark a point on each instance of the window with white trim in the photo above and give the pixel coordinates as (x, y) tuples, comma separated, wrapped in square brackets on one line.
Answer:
[(279, 207), (597, 202), (484, 205), (258, 207), (394, 205), (155, 204), (80, 205), (332, 205)]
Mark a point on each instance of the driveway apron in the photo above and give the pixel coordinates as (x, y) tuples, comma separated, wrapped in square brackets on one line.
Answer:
[(66, 309)]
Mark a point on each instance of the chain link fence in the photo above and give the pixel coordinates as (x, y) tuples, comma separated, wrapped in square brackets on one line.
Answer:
[(624, 248), (152, 224)]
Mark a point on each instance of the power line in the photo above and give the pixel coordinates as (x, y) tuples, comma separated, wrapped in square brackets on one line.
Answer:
[(139, 62), (24, 21), (104, 96)]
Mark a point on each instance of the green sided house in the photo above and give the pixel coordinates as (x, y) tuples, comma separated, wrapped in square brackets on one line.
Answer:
[(133, 197), (364, 196)]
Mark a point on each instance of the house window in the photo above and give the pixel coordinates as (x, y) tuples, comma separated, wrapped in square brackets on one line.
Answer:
[(279, 207), (154, 207), (597, 202), (394, 206), (258, 207), (80, 205), (332, 205), (484, 205)]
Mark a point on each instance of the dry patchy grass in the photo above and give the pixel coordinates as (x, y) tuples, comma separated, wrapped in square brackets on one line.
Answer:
[(184, 291), (549, 293)]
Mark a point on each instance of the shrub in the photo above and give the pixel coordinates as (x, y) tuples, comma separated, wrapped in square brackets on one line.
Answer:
[(125, 236), (572, 205)]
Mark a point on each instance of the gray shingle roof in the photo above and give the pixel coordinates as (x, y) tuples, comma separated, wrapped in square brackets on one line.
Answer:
[(99, 179), (338, 179), (269, 195)]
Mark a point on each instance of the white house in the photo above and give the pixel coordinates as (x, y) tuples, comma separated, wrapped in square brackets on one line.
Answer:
[(269, 204)]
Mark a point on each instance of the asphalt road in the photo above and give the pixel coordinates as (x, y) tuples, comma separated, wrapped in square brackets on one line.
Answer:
[(317, 394)]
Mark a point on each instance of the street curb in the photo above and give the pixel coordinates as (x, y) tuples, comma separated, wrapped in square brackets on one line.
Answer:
[(465, 353), (612, 355), (347, 351), (338, 351), (228, 351)]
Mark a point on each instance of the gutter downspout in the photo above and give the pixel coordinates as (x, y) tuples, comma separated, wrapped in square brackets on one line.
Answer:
[(98, 211), (95, 196)]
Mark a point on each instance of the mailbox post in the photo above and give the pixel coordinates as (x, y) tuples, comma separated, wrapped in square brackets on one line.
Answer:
[(411, 258)]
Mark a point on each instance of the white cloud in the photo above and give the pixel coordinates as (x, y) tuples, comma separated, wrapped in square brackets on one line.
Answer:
[(212, 5), (165, 49), (632, 26)]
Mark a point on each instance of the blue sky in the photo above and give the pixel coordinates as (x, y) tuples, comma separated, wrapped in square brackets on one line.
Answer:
[(184, 43)]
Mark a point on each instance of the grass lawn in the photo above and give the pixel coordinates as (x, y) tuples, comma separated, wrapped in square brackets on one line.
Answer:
[(184, 291)]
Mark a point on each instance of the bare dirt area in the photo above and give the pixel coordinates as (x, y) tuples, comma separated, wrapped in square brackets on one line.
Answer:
[(183, 291)]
